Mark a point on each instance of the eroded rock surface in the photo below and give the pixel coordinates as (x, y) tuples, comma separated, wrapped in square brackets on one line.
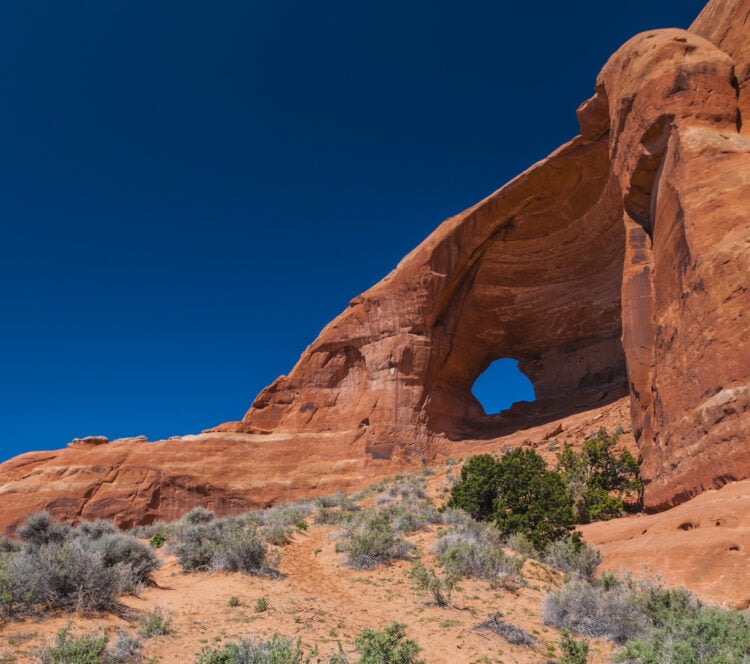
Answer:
[(618, 264)]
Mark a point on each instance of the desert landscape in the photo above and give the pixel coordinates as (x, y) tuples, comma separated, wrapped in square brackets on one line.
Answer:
[(249, 530)]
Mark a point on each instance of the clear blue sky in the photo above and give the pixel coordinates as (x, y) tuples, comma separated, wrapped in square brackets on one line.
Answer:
[(190, 190)]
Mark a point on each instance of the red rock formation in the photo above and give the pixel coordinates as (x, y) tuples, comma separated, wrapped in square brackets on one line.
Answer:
[(532, 272), (684, 170), (637, 229)]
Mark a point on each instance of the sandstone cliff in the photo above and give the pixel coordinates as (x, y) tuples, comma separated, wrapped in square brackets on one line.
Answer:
[(616, 266)]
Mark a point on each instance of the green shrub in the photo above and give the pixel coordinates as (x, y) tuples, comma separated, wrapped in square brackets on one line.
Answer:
[(156, 622), (440, 588), (278, 650), (572, 650), (261, 605), (518, 493), (387, 647), (69, 649), (711, 635), (600, 481), (159, 538), (532, 500), (476, 493), (90, 648), (684, 631)]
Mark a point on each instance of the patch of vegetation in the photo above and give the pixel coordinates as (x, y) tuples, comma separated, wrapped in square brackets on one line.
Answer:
[(573, 651), (684, 631), (228, 544), (261, 605), (653, 624), (518, 493), (389, 646), (573, 557), (54, 566), (280, 521), (597, 610), (476, 550), (158, 540), (372, 539), (523, 497), (277, 650), (439, 587), (90, 648), (601, 483), (156, 622)]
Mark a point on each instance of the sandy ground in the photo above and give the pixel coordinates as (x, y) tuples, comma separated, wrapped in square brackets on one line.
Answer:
[(323, 603)]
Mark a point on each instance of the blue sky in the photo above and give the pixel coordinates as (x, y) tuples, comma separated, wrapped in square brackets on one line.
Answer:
[(189, 191)]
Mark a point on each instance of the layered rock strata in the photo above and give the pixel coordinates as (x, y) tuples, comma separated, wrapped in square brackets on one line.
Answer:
[(617, 265)]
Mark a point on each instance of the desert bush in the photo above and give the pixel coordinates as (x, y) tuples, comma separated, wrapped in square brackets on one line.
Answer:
[(277, 650), (157, 622), (520, 544), (711, 635), (573, 556), (133, 556), (40, 529), (8, 545), (149, 531), (510, 633), (198, 515), (389, 646), (572, 650), (90, 648), (371, 540), (476, 550), (611, 613), (61, 576), (439, 587), (223, 544), (67, 648), (125, 649), (327, 516), (261, 605), (683, 630), (195, 546), (58, 567), (158, 540), (452, 516), (280, 521), (94, 530)]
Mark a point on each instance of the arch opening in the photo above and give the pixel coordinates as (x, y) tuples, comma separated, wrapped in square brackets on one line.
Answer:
[(501, 385)]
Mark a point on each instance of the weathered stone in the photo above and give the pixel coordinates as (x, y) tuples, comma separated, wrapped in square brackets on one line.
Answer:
[(618, 263)]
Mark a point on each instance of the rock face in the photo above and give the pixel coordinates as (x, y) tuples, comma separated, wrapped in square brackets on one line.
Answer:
[(639, 228), (533, 272), (618, 264)]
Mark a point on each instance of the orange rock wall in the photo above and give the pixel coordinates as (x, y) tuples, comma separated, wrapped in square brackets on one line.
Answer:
[(618, 264)]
